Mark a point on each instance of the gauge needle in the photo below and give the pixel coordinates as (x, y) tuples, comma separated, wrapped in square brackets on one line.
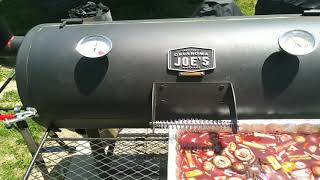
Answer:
[(296, 42), (95, 47)]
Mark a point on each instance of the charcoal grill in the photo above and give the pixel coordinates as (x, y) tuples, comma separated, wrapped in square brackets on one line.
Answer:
[(145, 83)]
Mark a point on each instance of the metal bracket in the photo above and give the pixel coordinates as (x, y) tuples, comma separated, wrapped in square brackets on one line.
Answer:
[(65, 22), (213, 101)]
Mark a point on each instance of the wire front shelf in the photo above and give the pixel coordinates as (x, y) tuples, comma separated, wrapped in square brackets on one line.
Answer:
[(134, 154)]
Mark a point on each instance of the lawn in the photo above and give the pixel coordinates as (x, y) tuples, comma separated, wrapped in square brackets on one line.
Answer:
[(24, 14)]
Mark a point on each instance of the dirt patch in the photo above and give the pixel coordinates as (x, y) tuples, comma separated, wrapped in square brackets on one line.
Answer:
[(12, 86), (66, 133)]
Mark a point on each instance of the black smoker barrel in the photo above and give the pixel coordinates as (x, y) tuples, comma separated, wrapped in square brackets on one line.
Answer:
[(73, 91)]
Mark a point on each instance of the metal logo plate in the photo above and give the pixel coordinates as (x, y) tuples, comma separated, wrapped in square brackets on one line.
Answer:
[(191, 59)]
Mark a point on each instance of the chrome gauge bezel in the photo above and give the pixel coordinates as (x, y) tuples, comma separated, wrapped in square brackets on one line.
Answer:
[(284, 44), (85, 52)]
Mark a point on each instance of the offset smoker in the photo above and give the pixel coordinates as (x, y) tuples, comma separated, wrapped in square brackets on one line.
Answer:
[(162, 71), (73, 91)]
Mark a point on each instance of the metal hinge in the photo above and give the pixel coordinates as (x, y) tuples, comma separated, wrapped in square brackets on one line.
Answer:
[(195, 124)]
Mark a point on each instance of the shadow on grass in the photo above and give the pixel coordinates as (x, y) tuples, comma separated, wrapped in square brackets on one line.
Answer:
[(122, 166), (8, 62)]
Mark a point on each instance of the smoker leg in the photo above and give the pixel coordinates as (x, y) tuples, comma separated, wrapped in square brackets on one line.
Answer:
[(12, 75), (61, 143), (33, 147), (98, 152), (110, 133)]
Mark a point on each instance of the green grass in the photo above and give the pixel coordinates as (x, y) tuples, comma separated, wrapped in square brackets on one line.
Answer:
[(247, 6), (23, 15), (10, 96), (6, 67), (4, 72), (14, 153)]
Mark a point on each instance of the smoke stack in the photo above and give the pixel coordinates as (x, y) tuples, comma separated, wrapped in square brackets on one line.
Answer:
[(9, 44), (5, 33)]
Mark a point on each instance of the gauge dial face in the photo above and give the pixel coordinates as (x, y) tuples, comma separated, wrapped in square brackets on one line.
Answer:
[(94, 46), (298, 42)]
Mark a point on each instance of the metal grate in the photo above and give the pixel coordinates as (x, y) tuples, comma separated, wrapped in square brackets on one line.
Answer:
[(133, 155)]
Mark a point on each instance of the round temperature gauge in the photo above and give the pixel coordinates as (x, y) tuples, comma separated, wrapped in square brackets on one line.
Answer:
[(298, 42), (94, 46)]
